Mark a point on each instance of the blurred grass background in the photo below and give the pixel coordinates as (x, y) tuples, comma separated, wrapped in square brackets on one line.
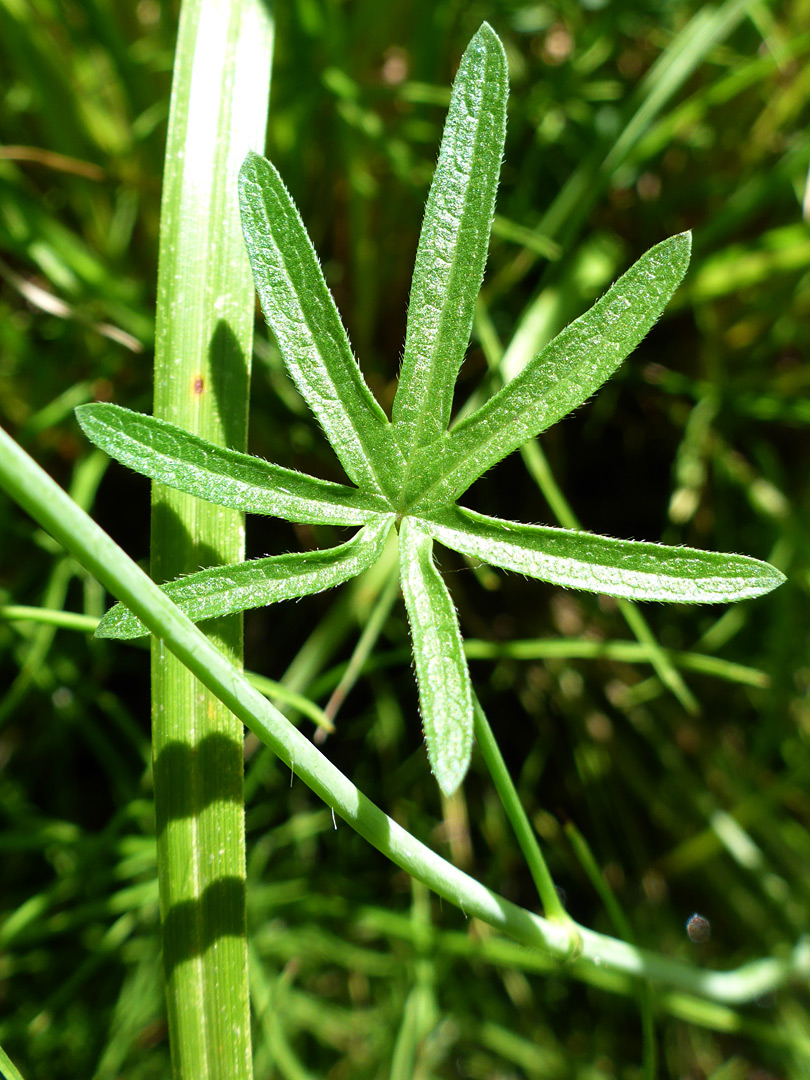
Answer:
[(627, 123)]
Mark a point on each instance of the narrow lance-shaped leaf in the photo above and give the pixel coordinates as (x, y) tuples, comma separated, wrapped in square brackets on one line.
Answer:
[(225, 590), (174, 457), (453, 244), (570, 368), (311, 337), (445, 695), (628, 568)]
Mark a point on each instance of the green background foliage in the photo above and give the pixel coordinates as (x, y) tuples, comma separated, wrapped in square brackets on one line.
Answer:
[(626, 123)]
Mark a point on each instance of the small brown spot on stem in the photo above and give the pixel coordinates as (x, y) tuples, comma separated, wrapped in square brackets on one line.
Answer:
[(199, 384)]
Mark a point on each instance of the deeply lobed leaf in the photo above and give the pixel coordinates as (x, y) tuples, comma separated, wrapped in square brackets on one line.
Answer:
[(570, 368), (453, 243), (311, 337), (445, 694), (174, 457), (225, 590), (628, 568)]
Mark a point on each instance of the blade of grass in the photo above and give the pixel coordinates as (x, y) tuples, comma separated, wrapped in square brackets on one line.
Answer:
[(204, 333), (707, 28), (86, 478)]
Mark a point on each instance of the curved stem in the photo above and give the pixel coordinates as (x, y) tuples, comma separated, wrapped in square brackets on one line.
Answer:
[(507, 793), (52, 508)]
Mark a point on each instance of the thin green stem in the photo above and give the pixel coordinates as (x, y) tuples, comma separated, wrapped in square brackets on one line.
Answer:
[(474, 649), (507, 793), (365, 645), (64, 620), (37, 493), (8, 1068), (277, 691), (617, 916)]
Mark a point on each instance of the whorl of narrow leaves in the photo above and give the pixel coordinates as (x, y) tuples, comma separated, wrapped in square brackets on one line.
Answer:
[(412, 471)]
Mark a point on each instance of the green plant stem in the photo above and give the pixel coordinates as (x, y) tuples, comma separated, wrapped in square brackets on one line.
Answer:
[(365, 645), (474, 649), (617, 916), (550, 898), (37, 493), (203, 346), (65, 620)]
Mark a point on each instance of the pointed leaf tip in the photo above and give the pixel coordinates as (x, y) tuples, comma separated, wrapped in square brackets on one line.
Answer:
[(633, 569), (453, 244), (683, 240), (485, 31)]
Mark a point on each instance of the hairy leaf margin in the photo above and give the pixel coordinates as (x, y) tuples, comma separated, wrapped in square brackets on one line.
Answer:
[(445, 691), (634, 569), (172, 456), (561, 377), (225, 590), (453, 243)]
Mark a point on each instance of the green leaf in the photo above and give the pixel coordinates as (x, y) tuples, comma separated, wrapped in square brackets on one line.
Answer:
[(178, 459), (453, 244), (224, 590), (302, 315), (445, 695), (630, 568), (570, 368)]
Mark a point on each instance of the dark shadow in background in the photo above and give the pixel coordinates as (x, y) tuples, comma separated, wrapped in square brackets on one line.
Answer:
[(230, 384)]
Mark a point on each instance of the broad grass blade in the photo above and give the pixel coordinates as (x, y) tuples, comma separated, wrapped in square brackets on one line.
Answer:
[(627, 568), (445, 695), (225, 590), (564, 375), (168, 454), (311, 337), (452, 251)]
